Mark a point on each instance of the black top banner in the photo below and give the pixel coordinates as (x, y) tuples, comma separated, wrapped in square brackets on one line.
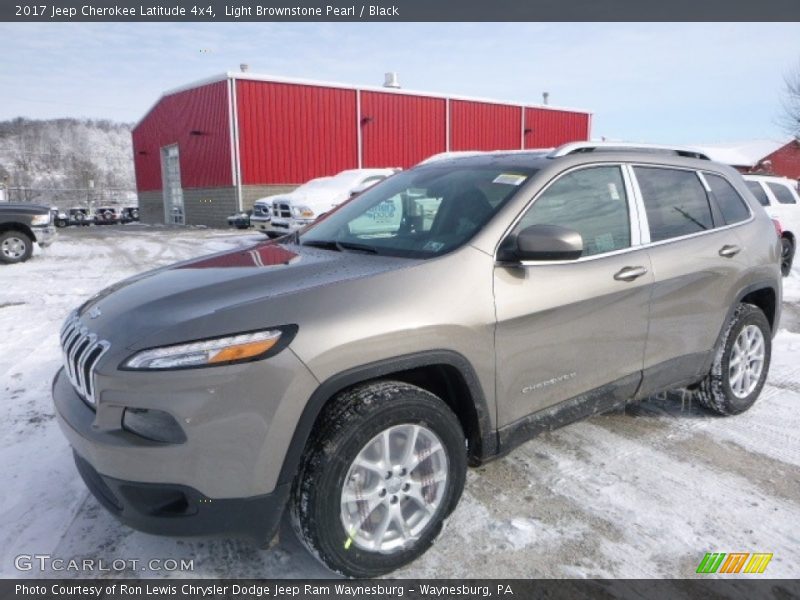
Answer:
[(398, 10)]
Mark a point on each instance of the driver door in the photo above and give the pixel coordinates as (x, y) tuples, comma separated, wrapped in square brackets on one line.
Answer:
[(574, 330)]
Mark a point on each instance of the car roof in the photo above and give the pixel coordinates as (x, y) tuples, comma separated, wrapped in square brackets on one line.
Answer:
[(575, 154)]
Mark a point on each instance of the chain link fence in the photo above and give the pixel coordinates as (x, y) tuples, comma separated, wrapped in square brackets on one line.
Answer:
[(65, 198)]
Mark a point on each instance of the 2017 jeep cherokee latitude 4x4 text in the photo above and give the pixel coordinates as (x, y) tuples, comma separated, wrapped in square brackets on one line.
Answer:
[(351, 372)]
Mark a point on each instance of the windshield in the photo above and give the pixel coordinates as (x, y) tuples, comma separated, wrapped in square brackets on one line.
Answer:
[(418, 213)]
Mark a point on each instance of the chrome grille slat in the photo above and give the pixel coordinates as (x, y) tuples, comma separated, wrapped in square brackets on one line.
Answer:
[(79, 349)]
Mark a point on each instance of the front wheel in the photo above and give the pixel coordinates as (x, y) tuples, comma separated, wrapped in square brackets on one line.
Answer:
[(386, 466), (740, 364), (787, 255), (15, 247)]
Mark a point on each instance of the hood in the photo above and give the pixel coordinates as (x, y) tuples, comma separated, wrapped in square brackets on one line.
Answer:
[(328, 195), (25, 209), (221, 294)]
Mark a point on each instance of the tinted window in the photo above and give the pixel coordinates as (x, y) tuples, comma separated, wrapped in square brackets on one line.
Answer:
[(420, 213), (675, 201), (592, 202), (782, 193), (730, 202), (758, 192)]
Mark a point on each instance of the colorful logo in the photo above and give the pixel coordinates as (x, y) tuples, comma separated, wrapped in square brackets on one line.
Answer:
[(734, 562)]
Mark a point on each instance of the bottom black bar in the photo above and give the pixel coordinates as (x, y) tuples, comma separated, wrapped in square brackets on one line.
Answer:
[(389, 589)]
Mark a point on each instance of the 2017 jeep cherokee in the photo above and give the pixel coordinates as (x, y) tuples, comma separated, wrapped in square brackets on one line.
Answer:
[(352, 371)]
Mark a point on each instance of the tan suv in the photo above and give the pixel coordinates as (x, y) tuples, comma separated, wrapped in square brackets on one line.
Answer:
[(352, 371)]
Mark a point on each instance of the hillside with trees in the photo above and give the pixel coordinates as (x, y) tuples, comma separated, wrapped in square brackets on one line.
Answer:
[(66, 162)]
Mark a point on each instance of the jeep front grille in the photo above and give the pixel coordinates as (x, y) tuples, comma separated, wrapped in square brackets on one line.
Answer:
[(81, 351)]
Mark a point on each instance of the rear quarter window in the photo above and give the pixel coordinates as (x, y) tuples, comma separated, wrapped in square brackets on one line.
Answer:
[(731, 204), (782, 193), (675, 202)]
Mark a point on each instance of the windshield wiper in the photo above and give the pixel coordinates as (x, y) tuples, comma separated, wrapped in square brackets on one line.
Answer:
[(339, 246)]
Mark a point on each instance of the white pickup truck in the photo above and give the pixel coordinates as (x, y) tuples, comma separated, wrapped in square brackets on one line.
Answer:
[(280, 214)]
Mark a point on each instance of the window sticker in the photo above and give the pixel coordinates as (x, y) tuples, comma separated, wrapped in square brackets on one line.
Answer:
[(612, 191), (432, 246), (510, 179)]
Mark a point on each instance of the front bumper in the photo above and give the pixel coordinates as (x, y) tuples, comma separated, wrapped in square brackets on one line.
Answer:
[(180, 510), (238, 422), (44, 235), (260, 223)]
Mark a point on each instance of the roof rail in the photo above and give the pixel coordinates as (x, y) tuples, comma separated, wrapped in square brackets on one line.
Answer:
[(579, 147)]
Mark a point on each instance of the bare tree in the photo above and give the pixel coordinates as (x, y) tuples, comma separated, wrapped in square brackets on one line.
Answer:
[(791, 102)]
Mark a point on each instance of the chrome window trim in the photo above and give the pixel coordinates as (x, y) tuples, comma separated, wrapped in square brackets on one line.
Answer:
[(634, 225), (644, 225)]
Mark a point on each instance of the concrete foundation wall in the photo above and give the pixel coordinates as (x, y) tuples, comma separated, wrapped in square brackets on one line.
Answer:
[(151, 207), (251, 193), (207, 206)]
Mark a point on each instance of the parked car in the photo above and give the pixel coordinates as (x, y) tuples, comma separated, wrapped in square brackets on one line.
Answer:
[(240, 220), (22, 225), (106, 215), (60, 217), (304, 205), (350, 375), (80, 216), (129, 214), (779, 197)]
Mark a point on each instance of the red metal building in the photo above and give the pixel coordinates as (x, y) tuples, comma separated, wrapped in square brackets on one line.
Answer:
[(214, 146)]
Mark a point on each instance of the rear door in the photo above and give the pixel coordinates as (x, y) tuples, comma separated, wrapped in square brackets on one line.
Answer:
[(696, 257), (565, 328)]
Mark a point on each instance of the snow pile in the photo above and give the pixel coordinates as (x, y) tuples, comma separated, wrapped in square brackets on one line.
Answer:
[(643, 493)]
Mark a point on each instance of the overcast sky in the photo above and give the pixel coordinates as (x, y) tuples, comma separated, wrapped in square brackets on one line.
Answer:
[(677, 83)]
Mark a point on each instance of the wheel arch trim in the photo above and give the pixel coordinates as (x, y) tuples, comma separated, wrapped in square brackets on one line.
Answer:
[(374, 370)]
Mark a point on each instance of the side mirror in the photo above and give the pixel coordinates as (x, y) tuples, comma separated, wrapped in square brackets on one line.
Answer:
[(542, 242)]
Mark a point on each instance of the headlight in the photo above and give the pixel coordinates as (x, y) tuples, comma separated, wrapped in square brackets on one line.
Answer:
[(214, 352), (40, 219), (302, 212)]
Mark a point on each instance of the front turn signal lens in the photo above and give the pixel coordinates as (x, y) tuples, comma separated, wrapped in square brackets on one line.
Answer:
[(243, 351), (210, 352)]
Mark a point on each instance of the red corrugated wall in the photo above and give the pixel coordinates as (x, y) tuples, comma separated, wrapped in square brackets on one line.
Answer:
[(290, 133), (399, 130), (205, 159), (484, 126), (548, 127)]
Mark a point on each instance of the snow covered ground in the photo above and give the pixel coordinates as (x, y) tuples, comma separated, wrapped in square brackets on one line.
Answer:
[(643, 493)]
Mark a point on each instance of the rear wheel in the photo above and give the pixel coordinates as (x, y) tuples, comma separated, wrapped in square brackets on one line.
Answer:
[(740, 364), (387, 465), (15, 247), (787, 255)]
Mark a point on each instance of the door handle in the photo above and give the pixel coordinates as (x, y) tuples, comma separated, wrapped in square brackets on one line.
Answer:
[(629, 273), (729, 251)]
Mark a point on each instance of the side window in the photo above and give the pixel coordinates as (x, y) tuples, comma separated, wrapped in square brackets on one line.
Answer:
[(733, 208), (782, 193), (675, 201), (758, 192), (591, 201)]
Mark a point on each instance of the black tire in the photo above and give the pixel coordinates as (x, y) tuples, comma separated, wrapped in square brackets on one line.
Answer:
[(61, 223), (15, 247), (715, 392), (787, 255), (345, 427)]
